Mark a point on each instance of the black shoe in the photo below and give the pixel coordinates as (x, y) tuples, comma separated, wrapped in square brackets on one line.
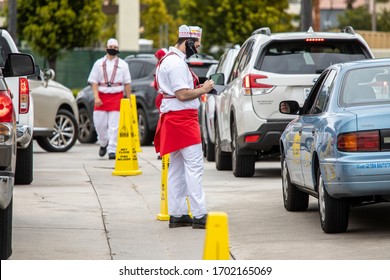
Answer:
[(183, 221), (111, 156), (200, 223), (102, 151)]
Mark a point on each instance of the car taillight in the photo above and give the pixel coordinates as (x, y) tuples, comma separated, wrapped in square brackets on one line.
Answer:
[(253, 86), (24, 96), (197, 63), (251, 138), (365, 141), (5, 107)]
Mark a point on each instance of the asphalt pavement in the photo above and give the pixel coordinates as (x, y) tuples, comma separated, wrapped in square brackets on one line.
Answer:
[(75, 209)]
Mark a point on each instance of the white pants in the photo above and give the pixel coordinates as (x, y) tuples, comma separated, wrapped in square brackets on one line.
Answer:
[(185, 179), (106, 125)]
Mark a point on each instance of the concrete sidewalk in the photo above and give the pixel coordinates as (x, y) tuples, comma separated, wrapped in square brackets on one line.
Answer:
[(76, 209)]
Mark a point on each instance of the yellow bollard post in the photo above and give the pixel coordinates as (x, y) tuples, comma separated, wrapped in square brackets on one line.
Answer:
[(126, 161), (216, 246), (134, 124), (163, 215), (189, 207)]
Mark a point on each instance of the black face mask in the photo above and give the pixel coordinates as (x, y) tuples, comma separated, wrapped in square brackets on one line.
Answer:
[(112, 51), (190, 50)]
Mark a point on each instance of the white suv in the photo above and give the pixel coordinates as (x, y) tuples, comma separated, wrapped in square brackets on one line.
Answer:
[(268, 69), (21, 99)]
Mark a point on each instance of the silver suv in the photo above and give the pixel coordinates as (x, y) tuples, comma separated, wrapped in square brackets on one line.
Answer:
[(268, 69)]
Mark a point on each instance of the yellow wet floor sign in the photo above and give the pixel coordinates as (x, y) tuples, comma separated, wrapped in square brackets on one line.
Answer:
[(126, 161)]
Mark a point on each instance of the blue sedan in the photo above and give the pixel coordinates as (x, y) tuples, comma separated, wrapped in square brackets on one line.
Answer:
[(338, 148)]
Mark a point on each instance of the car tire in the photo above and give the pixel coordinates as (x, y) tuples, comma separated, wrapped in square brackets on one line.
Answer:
[(242, 165), (6, 232), (65, 135), (145, 135), (334, 213), (223, 160), (87, 132), (209, 149), (24, 165), (293, 198)]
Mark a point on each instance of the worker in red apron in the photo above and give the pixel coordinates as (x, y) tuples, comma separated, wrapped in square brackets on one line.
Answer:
[(178, 130), (110, 80)]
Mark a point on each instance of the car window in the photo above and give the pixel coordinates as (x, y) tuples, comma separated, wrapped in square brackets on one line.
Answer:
[(322, 98), (306, 57), (149, 68), (309, 101), (136, 68), (221, 63), (366, 85), (241, 60), (4, 51)]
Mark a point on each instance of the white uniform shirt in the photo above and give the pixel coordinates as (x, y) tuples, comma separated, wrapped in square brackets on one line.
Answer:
[(122, 74), (173, 74)]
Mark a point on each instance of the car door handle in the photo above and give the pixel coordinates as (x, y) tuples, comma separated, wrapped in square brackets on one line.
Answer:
[(313, 132)]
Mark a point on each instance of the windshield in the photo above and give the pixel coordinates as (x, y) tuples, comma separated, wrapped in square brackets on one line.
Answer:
[(302, 57), (366, 86)]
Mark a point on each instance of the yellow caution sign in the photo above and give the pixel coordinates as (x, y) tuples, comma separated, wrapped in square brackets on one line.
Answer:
[(216, 246), (134, 123), (126, 161), (163, 215)]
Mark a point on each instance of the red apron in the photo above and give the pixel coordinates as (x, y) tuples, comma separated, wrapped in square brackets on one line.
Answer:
[(176, 129), (111, 101)]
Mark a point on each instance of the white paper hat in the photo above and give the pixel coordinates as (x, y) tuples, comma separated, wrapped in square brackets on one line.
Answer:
[(112, 42), (190, 31)]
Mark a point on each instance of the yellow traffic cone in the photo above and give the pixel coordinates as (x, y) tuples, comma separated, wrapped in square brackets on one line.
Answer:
[(163, 215), (135, 122), (216, 246), (126, 161)]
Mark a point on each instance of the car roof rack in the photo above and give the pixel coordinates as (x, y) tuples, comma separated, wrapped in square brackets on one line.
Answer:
[(263, 30), (348, 29)]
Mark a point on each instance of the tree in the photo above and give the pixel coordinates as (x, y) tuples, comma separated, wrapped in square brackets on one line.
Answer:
[(227, 22), (52, 26), (153, 15)]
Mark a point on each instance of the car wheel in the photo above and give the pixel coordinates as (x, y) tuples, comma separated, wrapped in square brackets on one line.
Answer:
[(334, 213), (24, 165), (293, 198), (223, 160), (87, 133), (145, 135), (242, 165), (6, 232), (65, 133), (209, 149)]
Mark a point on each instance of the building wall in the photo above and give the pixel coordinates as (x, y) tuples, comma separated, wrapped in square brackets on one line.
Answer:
[(128, 24)]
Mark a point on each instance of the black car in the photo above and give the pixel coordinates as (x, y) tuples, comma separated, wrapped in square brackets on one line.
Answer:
[(142, 69)]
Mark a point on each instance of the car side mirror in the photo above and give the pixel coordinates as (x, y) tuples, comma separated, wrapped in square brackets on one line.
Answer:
[(19, 64), (218, 78), (290, 107), (49, 74)]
